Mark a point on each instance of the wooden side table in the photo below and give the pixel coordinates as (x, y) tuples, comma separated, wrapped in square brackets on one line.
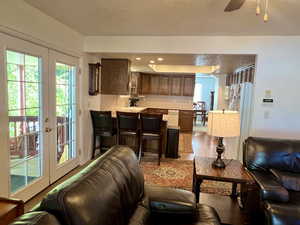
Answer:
[(233, 173), (10, 209), (228, 207)]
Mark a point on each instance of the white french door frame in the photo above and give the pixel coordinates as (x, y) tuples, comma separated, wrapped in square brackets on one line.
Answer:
[(14, 44), (4, 143), (59, 170)]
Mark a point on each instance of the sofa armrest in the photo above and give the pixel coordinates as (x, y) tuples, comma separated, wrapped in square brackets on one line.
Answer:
[(170, 200), (270, 189)]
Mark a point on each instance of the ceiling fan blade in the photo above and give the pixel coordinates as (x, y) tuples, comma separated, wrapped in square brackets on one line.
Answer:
[(234, 5)]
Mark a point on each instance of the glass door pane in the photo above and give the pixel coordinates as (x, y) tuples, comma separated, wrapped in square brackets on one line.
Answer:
[(24, 112), (65, 112)]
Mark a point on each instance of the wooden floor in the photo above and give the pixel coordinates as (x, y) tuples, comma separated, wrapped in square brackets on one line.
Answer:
[(202, 144)]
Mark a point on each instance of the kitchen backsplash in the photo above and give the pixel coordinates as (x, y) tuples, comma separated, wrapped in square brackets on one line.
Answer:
[(151, 101), (169, 102)]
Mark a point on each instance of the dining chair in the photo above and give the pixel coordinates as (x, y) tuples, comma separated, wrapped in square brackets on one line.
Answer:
[(151, 129), (102, 127), (128, 125)]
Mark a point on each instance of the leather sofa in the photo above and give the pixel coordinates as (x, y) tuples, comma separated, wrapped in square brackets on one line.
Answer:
[(275, 166), (111, 191)]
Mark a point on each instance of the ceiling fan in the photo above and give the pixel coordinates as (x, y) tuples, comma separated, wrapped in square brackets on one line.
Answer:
[(237, 4), (234, 5)]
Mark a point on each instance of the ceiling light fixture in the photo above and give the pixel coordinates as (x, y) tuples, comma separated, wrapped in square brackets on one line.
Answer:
[(160, 59), (258, 9), (266, 16), (237, 4), (138, 59), (152, 61)]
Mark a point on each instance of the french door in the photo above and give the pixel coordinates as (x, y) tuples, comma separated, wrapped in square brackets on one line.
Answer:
[(38, 118), (63, 114)]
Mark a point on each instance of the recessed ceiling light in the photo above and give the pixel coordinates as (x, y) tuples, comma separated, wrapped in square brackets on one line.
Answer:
[(152, 61), (138, 58), (160, 59)]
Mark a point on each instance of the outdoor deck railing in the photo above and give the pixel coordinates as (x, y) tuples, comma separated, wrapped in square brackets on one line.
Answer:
[(24, 135)]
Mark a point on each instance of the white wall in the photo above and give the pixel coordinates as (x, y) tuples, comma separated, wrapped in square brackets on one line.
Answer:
[(277, 70), (19, 16)]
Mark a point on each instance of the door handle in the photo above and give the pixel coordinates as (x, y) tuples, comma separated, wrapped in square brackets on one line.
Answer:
[(48, 129)]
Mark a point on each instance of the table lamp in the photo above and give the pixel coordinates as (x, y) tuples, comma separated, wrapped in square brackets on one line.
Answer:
[(223, 124)]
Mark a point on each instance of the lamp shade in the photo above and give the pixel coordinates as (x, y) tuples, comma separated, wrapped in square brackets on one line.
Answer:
[(224, 123)]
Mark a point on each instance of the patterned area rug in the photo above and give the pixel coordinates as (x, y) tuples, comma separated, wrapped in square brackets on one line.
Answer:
[(179, 174)]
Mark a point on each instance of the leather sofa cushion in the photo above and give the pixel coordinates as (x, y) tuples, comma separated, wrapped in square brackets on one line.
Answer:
[(170, 200), (107, 192), (289, 180), (266, 153), (36, 218), (270, 189), (140, 216), (284, 213), (204, 215)]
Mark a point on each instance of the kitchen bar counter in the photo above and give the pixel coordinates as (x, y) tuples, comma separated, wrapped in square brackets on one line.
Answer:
[(170, 120), (174, 116)]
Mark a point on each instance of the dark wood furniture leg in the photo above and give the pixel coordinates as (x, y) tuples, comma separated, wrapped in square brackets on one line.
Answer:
[(94, 146), (233, 191), (196, 185), (159, 150)]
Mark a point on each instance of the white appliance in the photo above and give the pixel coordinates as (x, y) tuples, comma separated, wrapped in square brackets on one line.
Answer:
[(245, 108)]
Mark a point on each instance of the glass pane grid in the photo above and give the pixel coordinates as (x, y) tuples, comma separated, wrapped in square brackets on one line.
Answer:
[(65, 111), (24, 91)]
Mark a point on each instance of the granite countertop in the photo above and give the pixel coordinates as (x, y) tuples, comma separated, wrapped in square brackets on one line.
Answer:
[(170, 108), (130, 109), (171, 119)]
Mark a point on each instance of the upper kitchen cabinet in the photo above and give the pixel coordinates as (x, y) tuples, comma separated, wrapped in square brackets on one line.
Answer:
[(154, 84), (167, 84), (164, 85), (115, 75), (145, 84), (176, 85), (188, 85)]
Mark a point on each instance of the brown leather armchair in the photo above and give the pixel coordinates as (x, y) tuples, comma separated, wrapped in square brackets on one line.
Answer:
[(275, 166)]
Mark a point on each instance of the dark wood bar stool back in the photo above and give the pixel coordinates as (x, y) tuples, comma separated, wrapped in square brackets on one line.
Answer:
[(151, 129), (102, 127), (128, 125)]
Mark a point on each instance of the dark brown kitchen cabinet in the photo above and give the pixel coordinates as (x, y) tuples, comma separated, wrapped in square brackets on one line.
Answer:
[(154, 84), (167, 84), (164, 86), (144, 84), (115, 76), (175, 85), (157, 111), (186, 120), (188, 85)]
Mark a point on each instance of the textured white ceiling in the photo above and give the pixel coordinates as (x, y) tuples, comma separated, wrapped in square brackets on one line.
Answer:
[(171, 17), (227, 63)]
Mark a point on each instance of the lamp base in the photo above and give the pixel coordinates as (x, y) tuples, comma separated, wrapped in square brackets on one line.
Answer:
[(219, 163)]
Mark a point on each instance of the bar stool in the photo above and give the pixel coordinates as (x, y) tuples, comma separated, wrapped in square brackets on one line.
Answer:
[(151, 129), (102, 127), (128, 125)]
